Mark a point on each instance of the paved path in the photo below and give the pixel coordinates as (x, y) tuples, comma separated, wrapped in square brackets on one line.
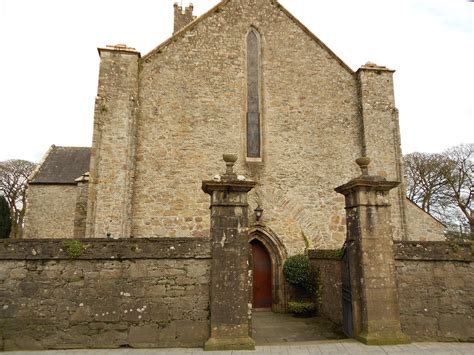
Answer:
[(283, 334), (276, 328), (348, 346)]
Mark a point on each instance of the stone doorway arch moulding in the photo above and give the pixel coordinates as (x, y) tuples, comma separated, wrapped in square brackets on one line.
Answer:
[(278, 255)]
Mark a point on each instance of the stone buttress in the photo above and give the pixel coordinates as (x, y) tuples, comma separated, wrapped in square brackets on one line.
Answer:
[(113, 145), (381, 134)]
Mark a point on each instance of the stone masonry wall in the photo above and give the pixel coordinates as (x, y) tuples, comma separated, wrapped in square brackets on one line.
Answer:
[(436, 290), (435, 287), (193, 109), (113, 144), (328, 265), (128, 293), (382, 136), (421, 226), (50, 211), (182, 17)]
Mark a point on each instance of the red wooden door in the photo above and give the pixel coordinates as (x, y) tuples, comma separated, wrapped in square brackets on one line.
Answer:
[(262, 276)]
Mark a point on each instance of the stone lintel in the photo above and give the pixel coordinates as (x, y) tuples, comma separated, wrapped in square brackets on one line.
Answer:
[(121, 48)]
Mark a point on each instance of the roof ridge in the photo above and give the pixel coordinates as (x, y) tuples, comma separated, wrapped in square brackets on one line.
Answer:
[(71, 147)]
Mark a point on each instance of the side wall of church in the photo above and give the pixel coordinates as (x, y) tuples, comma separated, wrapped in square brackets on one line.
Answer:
[(50, 211), (421, 226), (193, 109)]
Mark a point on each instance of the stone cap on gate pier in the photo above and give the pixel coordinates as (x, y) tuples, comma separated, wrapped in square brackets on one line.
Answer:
[(229, 181)]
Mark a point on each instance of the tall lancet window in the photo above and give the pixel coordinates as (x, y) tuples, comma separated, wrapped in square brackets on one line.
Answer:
[(254, 136)]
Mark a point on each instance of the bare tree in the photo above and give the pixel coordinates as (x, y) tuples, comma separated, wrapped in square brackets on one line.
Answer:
[(14, 175), (458, 172), (442, 185), (425, 180)]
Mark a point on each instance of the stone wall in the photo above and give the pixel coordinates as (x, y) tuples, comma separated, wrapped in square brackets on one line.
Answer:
[(436, 289), (50, 211), (126, 293), (421, 225), (182, 16), (327, 264)]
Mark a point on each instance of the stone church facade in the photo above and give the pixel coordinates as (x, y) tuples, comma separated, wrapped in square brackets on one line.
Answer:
[(246, 78), (166, 241)]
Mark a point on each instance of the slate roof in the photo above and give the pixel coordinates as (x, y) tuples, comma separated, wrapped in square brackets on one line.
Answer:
[(62, 165)]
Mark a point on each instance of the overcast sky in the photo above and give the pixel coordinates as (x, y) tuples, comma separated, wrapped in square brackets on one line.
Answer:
[(49, 63)]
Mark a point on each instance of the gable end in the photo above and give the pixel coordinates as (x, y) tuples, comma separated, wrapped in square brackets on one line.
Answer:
[(216, 9)]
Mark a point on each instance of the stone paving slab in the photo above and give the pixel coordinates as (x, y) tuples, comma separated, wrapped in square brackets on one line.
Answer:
[(307, 348), (280, 328)]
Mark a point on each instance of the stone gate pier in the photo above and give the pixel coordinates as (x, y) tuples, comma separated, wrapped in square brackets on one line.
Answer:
[(375, 304), (230, 286)]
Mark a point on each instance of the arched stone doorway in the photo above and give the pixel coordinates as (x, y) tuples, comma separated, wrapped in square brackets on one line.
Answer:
[(268, 249), (262, 276)]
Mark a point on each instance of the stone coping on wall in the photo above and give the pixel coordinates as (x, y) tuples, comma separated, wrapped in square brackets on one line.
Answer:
[(334, 254), (105, 249), (434, 251), (415, 250)]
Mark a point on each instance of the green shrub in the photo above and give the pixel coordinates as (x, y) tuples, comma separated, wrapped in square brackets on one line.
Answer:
[(301, 308), (73, 248), (297, 272)]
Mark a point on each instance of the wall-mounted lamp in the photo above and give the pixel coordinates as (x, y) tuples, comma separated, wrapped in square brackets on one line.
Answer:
[(258, 213)]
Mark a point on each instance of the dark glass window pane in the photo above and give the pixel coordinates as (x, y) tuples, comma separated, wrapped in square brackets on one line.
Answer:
[(253, 100), (253, 135)]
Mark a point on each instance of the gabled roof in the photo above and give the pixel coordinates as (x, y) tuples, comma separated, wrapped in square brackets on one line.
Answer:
[(221, 4), (62, 165)]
